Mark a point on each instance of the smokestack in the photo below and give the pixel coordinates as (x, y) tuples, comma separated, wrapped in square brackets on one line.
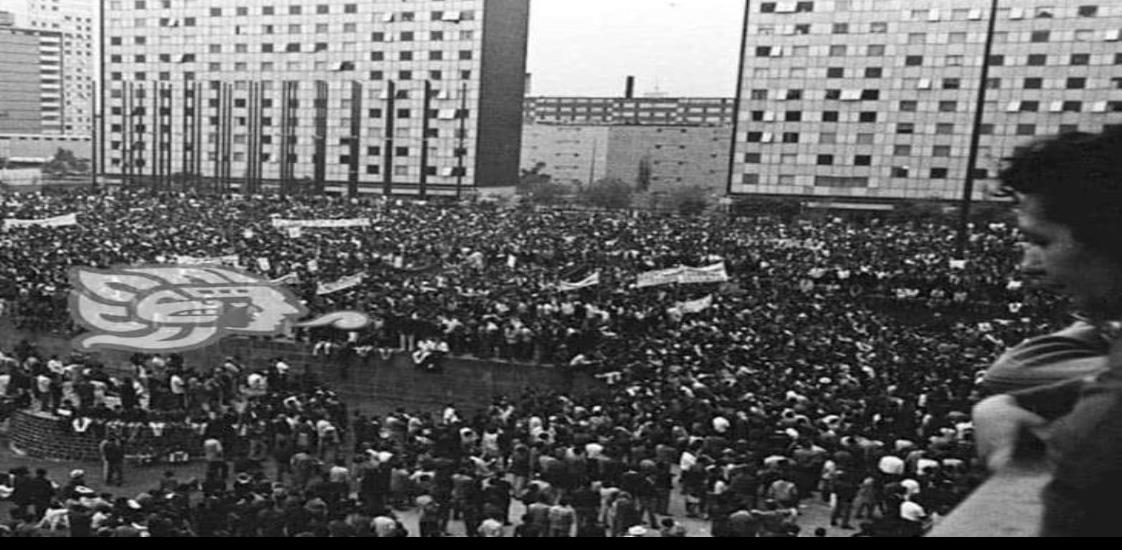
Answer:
[(529, 85), (629, 92)]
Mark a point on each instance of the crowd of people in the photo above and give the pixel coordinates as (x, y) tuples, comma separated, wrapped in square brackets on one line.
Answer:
[(839, 362)]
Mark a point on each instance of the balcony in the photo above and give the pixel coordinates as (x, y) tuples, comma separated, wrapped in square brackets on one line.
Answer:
[(1008, 505)]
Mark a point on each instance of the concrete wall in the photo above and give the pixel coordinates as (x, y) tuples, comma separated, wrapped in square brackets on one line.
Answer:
[(680, 156), (45, 436), (568, 152)]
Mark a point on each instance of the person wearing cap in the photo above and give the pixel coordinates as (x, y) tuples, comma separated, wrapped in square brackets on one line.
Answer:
[(77, 478)]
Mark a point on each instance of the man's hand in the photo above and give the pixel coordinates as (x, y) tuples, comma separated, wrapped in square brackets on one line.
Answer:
[(999, 425)]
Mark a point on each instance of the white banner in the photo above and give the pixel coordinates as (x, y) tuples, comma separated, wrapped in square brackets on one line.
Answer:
[(716, 273), (57, 221), (295, 232), (659, 278), (231, 260), (263, 264), (324, 289), (290, 279), (355, 222), (696, 306), (587, 282)]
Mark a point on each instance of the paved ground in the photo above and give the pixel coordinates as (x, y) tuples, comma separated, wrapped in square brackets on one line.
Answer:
[(141, 479)]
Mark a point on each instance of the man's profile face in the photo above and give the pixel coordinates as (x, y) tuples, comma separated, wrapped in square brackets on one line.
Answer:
[(1055, 259)]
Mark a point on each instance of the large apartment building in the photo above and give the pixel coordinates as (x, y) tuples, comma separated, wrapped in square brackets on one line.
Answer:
[(381, 96), (641, 111), (875, 100)]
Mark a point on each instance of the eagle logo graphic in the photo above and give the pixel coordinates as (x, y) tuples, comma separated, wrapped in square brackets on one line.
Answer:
[(168, 309)]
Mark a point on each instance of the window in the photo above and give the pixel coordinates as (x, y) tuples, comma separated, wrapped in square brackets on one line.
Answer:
[(1034, 83), (906, 128), (1088, 11), (1080, 59), (751, 158), (1037, 60), (1076, 83), (767, 7), (993, 83), (952, 83), (841, 28), (909, 106), (1045, 12), (878, 27), (1040, 36), (759, 94), (916, 38), (1026, 129), (755, 137), (902, 150), (874, 72), (829, 116), (944, 129), (948, 106), (868, 116), (837, 50), (1069, 128), (763, 51), (938, 173), (913, 60), (790, 137), (870, 95), (863, 160), (875, 50), (833, 94), (1072, 106), (793, 116), (997, 60), (827, 138), (825, 160), (835, 72), (900, 171), (1030, 106), (803, 7)]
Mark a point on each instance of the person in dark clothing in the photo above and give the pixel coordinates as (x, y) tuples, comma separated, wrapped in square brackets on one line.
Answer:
[(39, 493)]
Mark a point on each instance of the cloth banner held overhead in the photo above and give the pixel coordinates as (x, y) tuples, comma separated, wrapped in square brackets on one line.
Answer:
[(290, 279), (716, 273), (345, 283), (310, 224), (230, 260), (57, 221), (587, 282), (696, 306)]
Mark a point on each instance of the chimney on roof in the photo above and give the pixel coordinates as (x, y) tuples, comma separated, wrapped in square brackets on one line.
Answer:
[(629, 91)]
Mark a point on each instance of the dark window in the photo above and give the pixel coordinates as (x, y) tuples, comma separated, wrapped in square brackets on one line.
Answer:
[(1073, 106), (870, 95), (829, 116), (1080, 59), (794, 116), (938, 173), (952, 83), (1088, 11), (1037, 60), (835, 72), (1026, 129), (1034, 83), (1040, 36), (863, 160), (825, 160), (874, 72), (906, 128), (1076, 83), (1030, 106), (868, 116), (909, 106), (913, 60), (997, 60), (790, 137)]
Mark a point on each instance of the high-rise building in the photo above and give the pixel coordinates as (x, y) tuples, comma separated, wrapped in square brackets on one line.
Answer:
[(379, 96), (876, 100), (25, 106), (76, 25)]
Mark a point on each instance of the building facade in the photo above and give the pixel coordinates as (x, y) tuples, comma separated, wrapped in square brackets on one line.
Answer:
[(645, 111), (329, 96), (874, 100), (672, 156), (77, 26), (25, 104)]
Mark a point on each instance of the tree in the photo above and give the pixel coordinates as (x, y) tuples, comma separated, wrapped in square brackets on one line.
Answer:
[(644, 179), (689, 201), (608, 193)]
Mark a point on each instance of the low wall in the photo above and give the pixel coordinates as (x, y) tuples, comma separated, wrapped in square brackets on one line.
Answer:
[(49, 437), (371, 384)]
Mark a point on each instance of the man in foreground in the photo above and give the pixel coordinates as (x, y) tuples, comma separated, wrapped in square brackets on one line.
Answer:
[(1069, 191)]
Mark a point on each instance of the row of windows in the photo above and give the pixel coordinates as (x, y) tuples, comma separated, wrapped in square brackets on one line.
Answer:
[(404, 36), (296, 9), (935, 14), (902, 128), (433, 55), (164, 76)]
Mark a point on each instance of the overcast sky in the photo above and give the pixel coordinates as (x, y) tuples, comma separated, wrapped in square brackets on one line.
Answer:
[(588, 47)]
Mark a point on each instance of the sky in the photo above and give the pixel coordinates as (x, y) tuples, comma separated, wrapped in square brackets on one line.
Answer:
[(589, 47)]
